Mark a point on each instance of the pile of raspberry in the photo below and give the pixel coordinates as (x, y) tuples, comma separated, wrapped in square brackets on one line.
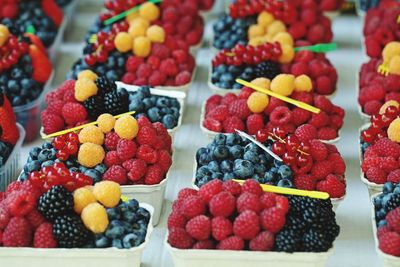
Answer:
[(227, 216), (230, 112), (375, 89), (381, 27), (144, 160), (169, 64), (318, 67)]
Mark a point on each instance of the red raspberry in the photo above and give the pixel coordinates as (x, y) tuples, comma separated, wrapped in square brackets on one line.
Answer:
[(222, 204), (319, 120), (169, 67), (51, 123), (55, 95), (323, 103), (147, 153), (233, 123), (199, 227), (213, 125), (154, 175), (324, 85), (321, 169), (74, 113), (298, 30), (215, 99), (252, 186), (316, 34), (20, 203), (300, 116), (35, 218), (161, 51), (111, 141), (228, 99), (116, 174), (4, 216), (157, 78), (55, 107), (210, 189), (164, 160), (264, 241), (281, 116), (193, 206), (144, 71), (386, 147), (306, 132), (137, 170), (245, 93), (143, 121), (219, 113), (268, 200), (176, 219), (246, 225), (221, 228), (318, 150), (393, 219), (382, 231), (272, 219), (254, 123), (232, 187), (112, 159), (154, 62), (126, 149), (394, 177), (376, 175), (282, 203), (205, 244), (146, 136), (44, 237), (179, 238), (299, 68), (336, 122), (231, 243), (239, 108), (248, 201), (18, 233), (327, 133), (305, 182), (390, 243), (303, 97), (187, 192), (339, 166), (372, 107), (128, 78), (133, 62), (333, 186), (180, 56), (183, 78)]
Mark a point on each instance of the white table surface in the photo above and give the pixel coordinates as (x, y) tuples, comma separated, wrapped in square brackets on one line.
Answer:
[(355, 245)]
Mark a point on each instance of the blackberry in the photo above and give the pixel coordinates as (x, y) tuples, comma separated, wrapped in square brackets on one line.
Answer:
[(287, 240), (268, 69), (315, 241), (95, 106), (70, 232), (55, 202), (114, 103), (393, 202), (104, 85)]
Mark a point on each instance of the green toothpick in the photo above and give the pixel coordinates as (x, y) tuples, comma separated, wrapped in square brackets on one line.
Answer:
[(31, 29), (318, 48), (126, 13)]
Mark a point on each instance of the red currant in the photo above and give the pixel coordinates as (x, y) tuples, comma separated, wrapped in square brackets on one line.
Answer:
[(289, 158), (391, 112), (62, 155), (262, 135), (303, 159), (368, 136), (59, 142), (279, 148), (71, 148)]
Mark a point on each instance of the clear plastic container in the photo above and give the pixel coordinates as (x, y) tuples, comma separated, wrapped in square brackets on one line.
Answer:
[(9, 172), (28, 115), (77, 257)]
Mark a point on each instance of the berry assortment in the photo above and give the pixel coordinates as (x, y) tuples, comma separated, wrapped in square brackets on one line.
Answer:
[(227, 216)]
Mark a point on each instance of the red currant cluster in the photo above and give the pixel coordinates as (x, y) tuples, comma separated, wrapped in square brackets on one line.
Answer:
[(9, 8), (249, 55), (66, 146), (380, 124), (58, 174), (104, 43), (11, 51), (115, 7)]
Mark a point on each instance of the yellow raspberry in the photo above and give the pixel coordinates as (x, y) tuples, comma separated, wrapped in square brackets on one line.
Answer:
[(390, 50), (257, 102), (284, 38), (265, 19), (83, 197), (394, 130), (149, 11), (287, 54), (131, 16), (107, 193), (255, 30), (256, 41), (90, 155), (302, 83), (94, 217), (106, 122), (140, 22), (262, 82), (394, 65), (142, 46), (156, 34), (383, 108), (137, 29), (283, 84), (123, 42), (126, 127), (85, 88), (91, 134), (276, 27), (4, 34), (87, 74)]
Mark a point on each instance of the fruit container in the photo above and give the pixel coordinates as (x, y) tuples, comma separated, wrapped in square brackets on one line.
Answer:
[(220, 258), (63, 257), (217, 9), (387, 259), (9, 172), (335, 201), (28, 115), (373, 188)]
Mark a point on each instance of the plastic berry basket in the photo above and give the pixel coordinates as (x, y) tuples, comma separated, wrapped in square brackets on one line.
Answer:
[(227, 258), (77, 257), (218, 90), (9, 172), (28, 115)]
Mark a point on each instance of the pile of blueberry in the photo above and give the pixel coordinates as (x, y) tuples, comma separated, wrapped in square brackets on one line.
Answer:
[(63, 3), (224, 76), (157, 108), (46, 155), (18, 84), (229, 31), (364, 145), (5, 151), (232, 157), (385, 202), (127, 228)]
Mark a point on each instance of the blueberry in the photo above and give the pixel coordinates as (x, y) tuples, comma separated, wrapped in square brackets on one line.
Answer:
[(101, 241), (117, 243), (251, 156), (285, 172), (213, 166), (385, 199), (396, 190), (388, 187), (233, 139), (204, 159), (243, 168), (145, 90), (23, 177), (285, 183), (219, 139), (175, 112), (227, 78), (45, 155), (200, 152), (130, 240), (236, 151), (251, 147), (47, 145), (169, 121), (74, 169), (147, 103), (277, 163), (203, 171), (123, 207), (221, 152), (202, 181), (32, 166), (94, 174), (162, 102), (221, 68), (226, 166), (13, 86), (228, 176), (113, 213), (101, 168), (217, 175), (133, 205), (380, 214), (47, 163), (115, 229), (143, 214), (154, 114), (382, 223), (129, 217), (82, 169), (259, 169), (34, 152), (265, 158), (136, 104), (269, 177)]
